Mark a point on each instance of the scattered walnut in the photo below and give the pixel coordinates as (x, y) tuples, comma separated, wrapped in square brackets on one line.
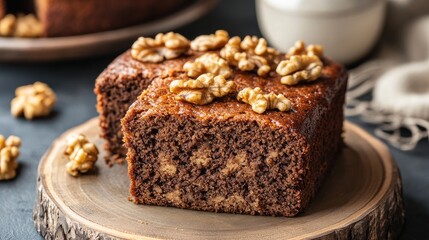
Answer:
[(35, 100), (82, 154), (21, 26), (261, 102), (300, 49), (250, 54), (202, 90), (299, 68), (210, 42), (164, 46), (28, 26), (7, 25), (9, 152), (208, 63)]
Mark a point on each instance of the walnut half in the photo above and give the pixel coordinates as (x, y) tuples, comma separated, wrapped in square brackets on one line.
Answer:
[(261, 102), (7, 25), (31, 101), (299, 68), (251, 54), (163, 46), (25, 26), (82, 155), (210, 42), (202, 90), (9, 152), (300, 48), (208, 63)]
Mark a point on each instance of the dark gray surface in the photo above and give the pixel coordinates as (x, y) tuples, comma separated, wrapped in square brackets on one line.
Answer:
[(73, 82)]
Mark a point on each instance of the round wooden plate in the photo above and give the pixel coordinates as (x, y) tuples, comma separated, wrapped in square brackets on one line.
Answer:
[(94, 44), (361, 199)]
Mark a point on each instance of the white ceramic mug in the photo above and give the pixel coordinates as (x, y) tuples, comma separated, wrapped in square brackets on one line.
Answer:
[(347, 29)]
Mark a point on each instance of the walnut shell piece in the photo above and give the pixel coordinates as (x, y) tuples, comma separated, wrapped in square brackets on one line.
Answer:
[(32, 101), (208, 63), (210, 42), (261, 102), (82, 154), (202, 90), (299, 68), (9, 153), (164, 46)]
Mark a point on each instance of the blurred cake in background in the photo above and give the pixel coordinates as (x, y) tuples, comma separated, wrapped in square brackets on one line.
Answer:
[(56, 18)]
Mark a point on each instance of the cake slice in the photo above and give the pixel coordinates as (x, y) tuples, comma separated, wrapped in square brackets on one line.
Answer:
[(64, 17), (2, 9), (117, 87), (75, 17), (225, 157)]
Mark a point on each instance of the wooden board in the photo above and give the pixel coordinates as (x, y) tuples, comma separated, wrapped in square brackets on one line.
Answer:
[(95, 44), (361, 199)]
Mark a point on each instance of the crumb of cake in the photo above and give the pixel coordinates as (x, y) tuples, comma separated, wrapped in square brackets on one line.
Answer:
[(210, 42), (299, 48), (235, 201), (217, 200), (9, 152), (24, 26), (261, 102), (271, 156), (202, 90), (82, 154), (157, 189), (238, 163), (208, 63), (166, 165), (300, 68), (164, 46), (201, 157), (251, 54), (32, 101), (174, 196)]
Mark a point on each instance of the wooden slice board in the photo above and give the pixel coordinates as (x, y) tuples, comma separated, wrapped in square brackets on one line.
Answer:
[(361, 199), (94, 44)]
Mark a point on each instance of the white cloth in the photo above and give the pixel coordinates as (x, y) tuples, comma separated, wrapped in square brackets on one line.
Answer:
[(398, 77)]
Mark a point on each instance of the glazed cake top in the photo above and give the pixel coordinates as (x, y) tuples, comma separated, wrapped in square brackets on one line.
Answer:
[(309, 99)]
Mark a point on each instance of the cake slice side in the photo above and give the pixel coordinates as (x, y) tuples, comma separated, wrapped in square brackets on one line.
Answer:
[(219, 166)]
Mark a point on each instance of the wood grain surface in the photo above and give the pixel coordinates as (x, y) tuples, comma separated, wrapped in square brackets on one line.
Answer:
[(361, 199)]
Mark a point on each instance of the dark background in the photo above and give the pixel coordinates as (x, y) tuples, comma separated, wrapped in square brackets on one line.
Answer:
[(73, 82)]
